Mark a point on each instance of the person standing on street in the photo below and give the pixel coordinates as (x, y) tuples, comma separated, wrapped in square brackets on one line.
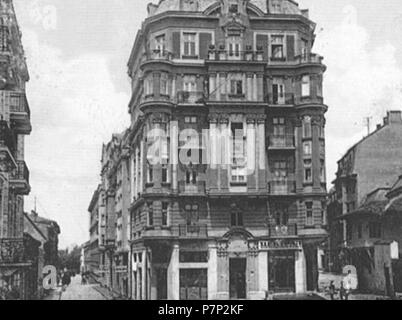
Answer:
[(348, 285), (342, 293), (332, 290)]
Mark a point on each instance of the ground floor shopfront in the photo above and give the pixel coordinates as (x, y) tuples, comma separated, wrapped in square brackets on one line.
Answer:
[(234, 267)]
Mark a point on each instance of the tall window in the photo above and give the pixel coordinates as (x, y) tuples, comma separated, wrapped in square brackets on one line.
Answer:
[(165, 173), (304, 49), (150, 173), (192, 215), (281, 216), (190, 120), (164, 84), (306, 86), (278, 92), (279, 127), (307, 130), (280, 170), (160, 45), (236, 87), (307, 148), (191, 177), (234, 45), (150, 215), (277, 51), (190, 44), (309, 214), (308, 171), (322, 171), (165, 208), (236, 219), (149, 85)]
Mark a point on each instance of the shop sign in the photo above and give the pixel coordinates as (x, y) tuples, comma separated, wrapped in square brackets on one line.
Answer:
[(281, 244), (121, 269)]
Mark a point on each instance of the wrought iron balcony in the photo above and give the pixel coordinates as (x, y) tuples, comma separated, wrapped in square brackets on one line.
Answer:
[(282, 187), (286, 99), (197, 188), (309, 58), (226, 55), (7, 137), (157, 55), (15, 107), (20, 178), (12, 251), (190, 97), (191, 231), (281, 142), (283, 231)]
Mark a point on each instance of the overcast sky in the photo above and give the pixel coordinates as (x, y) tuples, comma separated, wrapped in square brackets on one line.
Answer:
[(77, 52)]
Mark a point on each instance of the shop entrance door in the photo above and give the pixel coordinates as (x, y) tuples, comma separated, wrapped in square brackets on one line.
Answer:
[(237, 272), (281, 266)]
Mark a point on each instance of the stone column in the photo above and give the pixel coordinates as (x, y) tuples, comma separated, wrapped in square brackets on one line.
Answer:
[(218, 87), (174, 274), (250, 87), (212, 272), (263, 271), (142, 167), (174, 152), (300, 272), (212, 87), (136, 189), (144, 276), (255, 88)]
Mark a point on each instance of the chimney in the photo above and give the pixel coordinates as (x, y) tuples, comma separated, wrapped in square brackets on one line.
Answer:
[(34, 214), (394, 116), (379, 126)]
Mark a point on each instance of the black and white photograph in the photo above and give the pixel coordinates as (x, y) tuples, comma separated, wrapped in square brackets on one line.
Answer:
[(219, 151)]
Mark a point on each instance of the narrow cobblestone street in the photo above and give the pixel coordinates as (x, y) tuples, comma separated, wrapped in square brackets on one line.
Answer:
[(76, 291)]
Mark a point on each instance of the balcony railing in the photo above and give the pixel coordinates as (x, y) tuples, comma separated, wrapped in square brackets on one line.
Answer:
[(18, 102), (156, 54), (309, 58), (281, 141), (190, 97), (278, 100), (282, 187), (7, 138), (197, 188), (279, 231), (21, 173), (192, 231), (12, 251), (225, 55)]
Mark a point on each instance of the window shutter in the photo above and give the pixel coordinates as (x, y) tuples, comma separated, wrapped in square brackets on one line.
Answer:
[(205, 41), (176, 45), (290, 44), (262, 41)]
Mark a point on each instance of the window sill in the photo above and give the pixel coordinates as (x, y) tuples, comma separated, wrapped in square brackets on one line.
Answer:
[(237, 96), (278, 59), (238, 184), (189, 57)]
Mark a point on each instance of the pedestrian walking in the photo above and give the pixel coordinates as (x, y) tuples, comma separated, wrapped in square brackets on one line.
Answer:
[(342, 292), (332, 290), (348, 285)]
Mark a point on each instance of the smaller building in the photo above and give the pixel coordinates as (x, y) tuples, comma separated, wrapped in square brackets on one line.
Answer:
[(373, 238)]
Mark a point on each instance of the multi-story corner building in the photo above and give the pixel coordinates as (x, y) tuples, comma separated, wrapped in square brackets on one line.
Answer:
[(242, 215), (14, 174), (370, 164)]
